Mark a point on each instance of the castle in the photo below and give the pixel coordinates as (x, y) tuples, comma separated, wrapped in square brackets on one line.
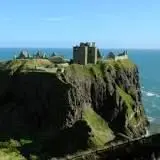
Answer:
[(85, 53), (24, 54), (88, 53), (120, 56)]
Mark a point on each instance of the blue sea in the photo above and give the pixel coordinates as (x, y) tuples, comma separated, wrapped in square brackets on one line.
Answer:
[(148, 62)]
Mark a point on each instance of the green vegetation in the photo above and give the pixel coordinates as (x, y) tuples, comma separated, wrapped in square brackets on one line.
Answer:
[(78, 134), (77, 70), (8, 154), (57, 59), (97, 70), (22, 65), (132, 91), (13, 149), (10, 149), (121, 64), (130, 117), (100, 129), (89, 70), (14, 65)]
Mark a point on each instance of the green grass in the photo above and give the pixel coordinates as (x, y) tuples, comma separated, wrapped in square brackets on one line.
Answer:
[(77, 71), (129, 102), (97, 70), (100, 129), (9, 150), (26, 64), (25, 141), (121, 64), (89, 70), (9, 154), (11, 143)]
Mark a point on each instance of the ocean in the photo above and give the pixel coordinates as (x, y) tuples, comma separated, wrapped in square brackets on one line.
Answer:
[(148, 62)]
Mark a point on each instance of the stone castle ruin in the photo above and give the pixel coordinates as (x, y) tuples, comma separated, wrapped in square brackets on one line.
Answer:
[(88, 53), (85, 53), (120, 56)]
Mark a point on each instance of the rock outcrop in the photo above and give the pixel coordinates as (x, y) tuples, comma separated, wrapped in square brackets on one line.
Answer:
[(83, 107)]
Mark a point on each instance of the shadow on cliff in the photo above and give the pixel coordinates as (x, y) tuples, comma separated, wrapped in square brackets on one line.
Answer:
[(67, 141), (33, 111)]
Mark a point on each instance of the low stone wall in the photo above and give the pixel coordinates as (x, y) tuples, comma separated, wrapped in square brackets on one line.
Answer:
[(121, 57)]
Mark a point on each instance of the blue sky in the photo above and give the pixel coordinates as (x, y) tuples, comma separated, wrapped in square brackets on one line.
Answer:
[(63, 23)]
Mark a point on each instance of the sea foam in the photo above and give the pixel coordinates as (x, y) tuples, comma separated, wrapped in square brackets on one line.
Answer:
[(151, 119), (151, 94)]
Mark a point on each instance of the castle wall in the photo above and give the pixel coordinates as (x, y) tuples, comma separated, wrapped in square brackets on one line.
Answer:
[(121, 57), (92, 55), (80, 55), (85, 53)]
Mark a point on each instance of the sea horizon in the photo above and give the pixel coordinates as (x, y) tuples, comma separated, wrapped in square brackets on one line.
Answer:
[(108, 48)]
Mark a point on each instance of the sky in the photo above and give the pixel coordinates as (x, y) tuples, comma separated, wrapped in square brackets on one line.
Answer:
[(64, 23)]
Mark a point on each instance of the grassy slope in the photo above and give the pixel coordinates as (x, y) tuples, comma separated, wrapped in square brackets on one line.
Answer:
[(129, 102), (7, 154), (100, 129), (98, 69), (27, 64), (9, 149)]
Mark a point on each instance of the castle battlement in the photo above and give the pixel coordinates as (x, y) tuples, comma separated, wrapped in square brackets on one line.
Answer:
[(85, 53), (120, 56)]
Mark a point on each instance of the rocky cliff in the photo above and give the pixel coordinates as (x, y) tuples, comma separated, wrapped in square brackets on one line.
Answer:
[(82, 107)]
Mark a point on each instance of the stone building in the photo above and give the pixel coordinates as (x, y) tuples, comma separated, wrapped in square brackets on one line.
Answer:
[(85, 53), (23, 55), (40, 55), (120, 56), (111, 55)]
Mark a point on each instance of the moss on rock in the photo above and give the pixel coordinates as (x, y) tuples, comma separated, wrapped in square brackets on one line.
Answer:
[(101, 133)]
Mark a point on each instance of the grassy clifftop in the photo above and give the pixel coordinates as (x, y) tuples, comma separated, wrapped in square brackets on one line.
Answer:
[(99, 69), (86, 70), (81, 108), (24, 65)]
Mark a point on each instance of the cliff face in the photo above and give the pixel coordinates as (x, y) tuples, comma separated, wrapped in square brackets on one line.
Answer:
[(83, 107)]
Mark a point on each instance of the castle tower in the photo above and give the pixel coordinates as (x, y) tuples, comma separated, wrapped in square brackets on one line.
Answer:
[(92, 55), (80, 54), (85, 53)]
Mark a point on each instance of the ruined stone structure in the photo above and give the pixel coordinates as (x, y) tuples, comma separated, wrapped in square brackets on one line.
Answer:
[(39, 55), (85, 53), (121, 56), (23, 55)]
